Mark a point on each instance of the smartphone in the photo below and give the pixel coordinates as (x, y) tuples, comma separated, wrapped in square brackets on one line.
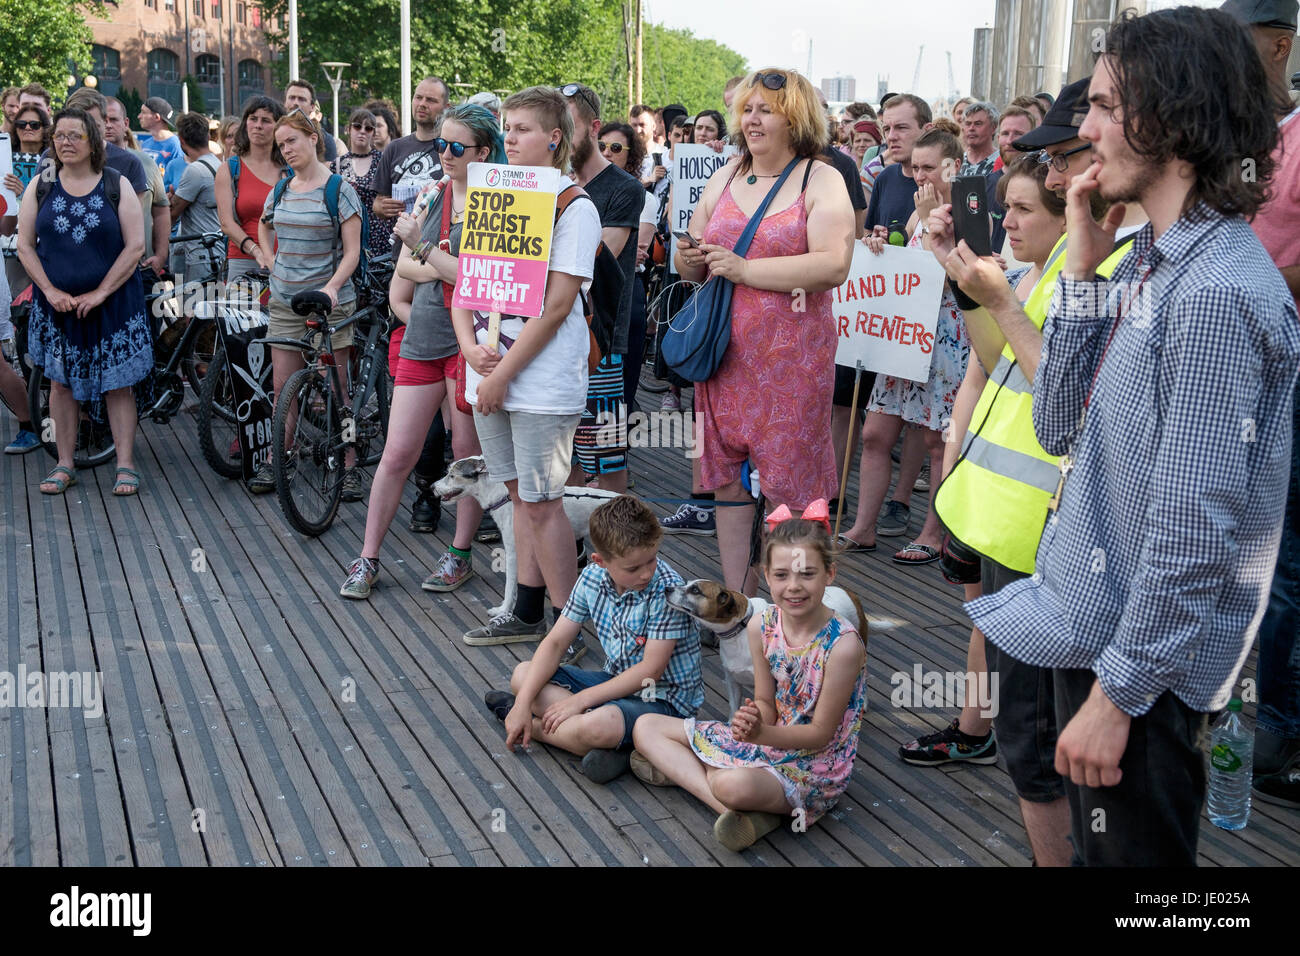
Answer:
[(688, 237), (970, 214)]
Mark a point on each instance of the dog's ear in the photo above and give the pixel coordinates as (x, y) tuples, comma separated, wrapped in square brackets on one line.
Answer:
[(725, 601)]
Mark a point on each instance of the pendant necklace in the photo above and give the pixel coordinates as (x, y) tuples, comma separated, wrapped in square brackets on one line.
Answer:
[(754, 177)]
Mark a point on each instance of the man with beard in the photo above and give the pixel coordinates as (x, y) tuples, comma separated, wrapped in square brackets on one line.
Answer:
[(1168, 389), (1015, 123), (619, 198), (411, 160)]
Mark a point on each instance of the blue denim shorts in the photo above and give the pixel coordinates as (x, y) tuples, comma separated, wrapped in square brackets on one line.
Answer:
[(575, 680)]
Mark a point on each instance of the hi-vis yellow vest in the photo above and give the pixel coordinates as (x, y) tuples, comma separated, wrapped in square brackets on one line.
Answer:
[(995, 498)]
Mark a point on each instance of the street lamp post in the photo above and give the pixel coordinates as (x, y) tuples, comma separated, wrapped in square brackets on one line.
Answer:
[(335, 82)]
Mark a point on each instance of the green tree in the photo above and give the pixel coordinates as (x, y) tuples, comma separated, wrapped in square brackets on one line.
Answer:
[(40, 37)]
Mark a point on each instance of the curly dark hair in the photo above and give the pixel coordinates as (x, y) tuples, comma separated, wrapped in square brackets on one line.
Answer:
[(1192, 88), (635, 148), (255, 103), (94, 138)]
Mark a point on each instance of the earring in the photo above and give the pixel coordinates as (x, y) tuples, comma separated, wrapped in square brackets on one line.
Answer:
[(551, 146)]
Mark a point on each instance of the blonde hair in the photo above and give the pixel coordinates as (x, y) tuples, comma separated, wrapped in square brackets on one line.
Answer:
[(797, 102), (300, 121), (551, 109)]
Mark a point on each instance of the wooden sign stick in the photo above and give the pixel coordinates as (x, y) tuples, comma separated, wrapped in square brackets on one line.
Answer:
[(848, 450)]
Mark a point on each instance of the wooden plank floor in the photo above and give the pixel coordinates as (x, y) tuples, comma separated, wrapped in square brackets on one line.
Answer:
[(252, 717)]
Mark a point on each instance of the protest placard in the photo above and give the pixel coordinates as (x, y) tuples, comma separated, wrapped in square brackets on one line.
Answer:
[(242, 324), (8, 201), (505, 244), (691, 168), (886, 311)]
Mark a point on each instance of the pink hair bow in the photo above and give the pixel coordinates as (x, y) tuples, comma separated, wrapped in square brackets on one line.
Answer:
[(818, 511)]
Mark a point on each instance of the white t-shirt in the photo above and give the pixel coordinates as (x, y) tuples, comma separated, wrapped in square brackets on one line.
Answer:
[(555, 381)]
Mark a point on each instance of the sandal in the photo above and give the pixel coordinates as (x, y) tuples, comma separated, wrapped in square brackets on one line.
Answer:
[(849, 546), (128, 486), (929, 554), (57, 479)]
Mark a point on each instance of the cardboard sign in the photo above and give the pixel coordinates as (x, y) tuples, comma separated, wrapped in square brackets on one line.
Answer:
[(8, 201), (505, 242), (887, 310), (692, 166), (248, 362)]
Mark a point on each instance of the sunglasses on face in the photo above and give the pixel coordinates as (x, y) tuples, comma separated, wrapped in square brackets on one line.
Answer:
[(773, 81), (440, 146), (365, 127), (28, 124), (614, 148), (570, 89), (1060, 162)]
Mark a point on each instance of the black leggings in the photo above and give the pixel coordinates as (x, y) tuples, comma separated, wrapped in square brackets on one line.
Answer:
[(432, 465)]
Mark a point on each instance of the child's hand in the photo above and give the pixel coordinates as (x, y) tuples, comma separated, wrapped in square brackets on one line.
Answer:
[(519, 727), (559, 712), (747, 721)]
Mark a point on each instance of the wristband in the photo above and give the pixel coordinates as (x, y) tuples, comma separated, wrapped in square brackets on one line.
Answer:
[(246, 239)]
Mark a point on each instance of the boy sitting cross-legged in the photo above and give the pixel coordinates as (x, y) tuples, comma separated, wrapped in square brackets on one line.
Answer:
[(652, 652)]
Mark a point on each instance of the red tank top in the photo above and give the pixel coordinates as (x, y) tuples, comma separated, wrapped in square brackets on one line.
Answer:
[(248, 207)]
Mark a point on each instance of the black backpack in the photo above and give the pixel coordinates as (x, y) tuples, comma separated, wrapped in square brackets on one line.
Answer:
[(45, 183), (600, 305)]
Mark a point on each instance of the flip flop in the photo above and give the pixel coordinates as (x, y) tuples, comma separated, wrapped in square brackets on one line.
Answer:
[(61, 484), (931, 555), (849, 546), (128, 486)]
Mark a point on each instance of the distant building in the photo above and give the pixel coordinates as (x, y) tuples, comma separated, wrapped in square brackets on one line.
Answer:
[(842, 89), (981, 63), (152, 45)]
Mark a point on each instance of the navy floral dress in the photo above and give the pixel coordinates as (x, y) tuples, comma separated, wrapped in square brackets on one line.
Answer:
[(78, 238)]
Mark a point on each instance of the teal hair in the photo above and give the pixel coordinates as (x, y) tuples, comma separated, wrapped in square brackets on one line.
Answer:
[(484, 126)]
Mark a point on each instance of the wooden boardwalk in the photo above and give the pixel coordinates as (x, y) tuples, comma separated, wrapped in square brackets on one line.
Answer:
[(252, 717)]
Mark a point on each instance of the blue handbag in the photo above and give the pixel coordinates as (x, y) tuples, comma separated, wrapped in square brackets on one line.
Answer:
[(699, 333)]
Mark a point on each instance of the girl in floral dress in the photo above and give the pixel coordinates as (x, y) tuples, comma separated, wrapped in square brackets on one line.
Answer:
[(790, 750)]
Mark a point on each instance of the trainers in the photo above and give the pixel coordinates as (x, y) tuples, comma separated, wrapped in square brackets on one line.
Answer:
[(1281, 788), (575, 650), (361, 576), (264, 481), (452, 571), (737, 830), (892, 522), (505, 629), (602, 766), (23, 442), (923, 479), (352, 485), (647, 772), (488, 532), (425, 512), (670, 403), (690, 520), (499, 702), (950, 745)]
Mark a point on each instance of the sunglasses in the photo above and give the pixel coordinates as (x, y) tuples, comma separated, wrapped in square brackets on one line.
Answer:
[(365, 127), (28, 124), (569, 89), (614, 148), (440, 146), (1060, 162), (773, 81)]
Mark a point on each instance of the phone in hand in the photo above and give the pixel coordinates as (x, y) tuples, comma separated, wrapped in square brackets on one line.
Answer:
[(688, 237), (970, 214)]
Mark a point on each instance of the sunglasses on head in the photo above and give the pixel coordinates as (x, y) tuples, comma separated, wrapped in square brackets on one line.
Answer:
[(28, 124), (440, 146), (365, 127), (773, 81), (614, 148), (570, 89)]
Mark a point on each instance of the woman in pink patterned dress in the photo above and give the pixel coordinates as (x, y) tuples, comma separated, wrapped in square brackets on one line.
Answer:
[(770, 400)]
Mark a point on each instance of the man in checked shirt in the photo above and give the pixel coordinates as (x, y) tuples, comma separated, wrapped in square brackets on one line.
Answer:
[(1169, 390)]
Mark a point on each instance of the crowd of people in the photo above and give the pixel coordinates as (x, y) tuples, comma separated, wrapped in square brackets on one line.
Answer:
[(1102, 435)]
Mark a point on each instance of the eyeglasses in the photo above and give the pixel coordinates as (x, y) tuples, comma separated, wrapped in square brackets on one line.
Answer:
[(365, 127), (773, 81), (570, 89), (69, 137), (614, 148), (440, 146), (1059, 162), (28, 124)]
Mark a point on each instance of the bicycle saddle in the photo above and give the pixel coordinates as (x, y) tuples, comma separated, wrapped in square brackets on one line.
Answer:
[(313, 301)]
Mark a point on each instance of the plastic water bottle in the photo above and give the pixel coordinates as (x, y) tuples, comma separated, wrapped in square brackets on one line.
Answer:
[(1231, 758)]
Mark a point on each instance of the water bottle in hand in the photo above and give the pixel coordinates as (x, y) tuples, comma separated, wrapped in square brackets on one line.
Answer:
[(1231, 758)]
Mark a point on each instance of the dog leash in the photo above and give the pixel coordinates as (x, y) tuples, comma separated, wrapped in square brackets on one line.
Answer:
[(698, 502)]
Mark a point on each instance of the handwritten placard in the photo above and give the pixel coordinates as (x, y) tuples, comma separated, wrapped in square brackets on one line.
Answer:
[(886, 311), (692, 166)]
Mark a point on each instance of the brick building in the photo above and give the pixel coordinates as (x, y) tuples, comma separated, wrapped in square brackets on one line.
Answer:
[(152, 45)]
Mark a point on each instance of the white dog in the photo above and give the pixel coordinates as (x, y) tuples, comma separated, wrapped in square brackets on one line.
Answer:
[(726, 613), (469, 476)]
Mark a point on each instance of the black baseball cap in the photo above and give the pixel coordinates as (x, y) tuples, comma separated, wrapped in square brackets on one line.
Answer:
[(162, 108), (668, 112), (1062, 121), (1280, 14)]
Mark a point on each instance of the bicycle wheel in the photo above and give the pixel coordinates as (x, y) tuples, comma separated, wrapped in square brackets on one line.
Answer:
[(309, 465), (203, 350), (371, 424), (94, 439), (218, 427)]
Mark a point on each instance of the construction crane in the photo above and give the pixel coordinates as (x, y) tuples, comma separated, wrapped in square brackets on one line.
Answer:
[(953, 94), (916, 75)]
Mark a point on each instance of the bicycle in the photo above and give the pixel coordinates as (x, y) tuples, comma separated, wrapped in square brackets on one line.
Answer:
[(319, 416), (186, 347)]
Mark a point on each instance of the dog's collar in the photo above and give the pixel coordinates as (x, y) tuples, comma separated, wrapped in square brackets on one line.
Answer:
[(493, 507), (738, 626)]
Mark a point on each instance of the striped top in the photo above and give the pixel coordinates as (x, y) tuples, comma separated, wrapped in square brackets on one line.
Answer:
[(305, 257)]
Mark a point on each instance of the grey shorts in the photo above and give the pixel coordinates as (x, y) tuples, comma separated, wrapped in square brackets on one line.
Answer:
[(536, 450), (287, 324)]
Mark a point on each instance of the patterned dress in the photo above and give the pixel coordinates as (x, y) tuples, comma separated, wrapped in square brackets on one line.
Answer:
[(78, 238), (381, 230), (812, 780), (929, 403), (770, 400)]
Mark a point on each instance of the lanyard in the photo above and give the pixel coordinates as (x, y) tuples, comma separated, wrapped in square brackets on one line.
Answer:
[(443, 235)]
